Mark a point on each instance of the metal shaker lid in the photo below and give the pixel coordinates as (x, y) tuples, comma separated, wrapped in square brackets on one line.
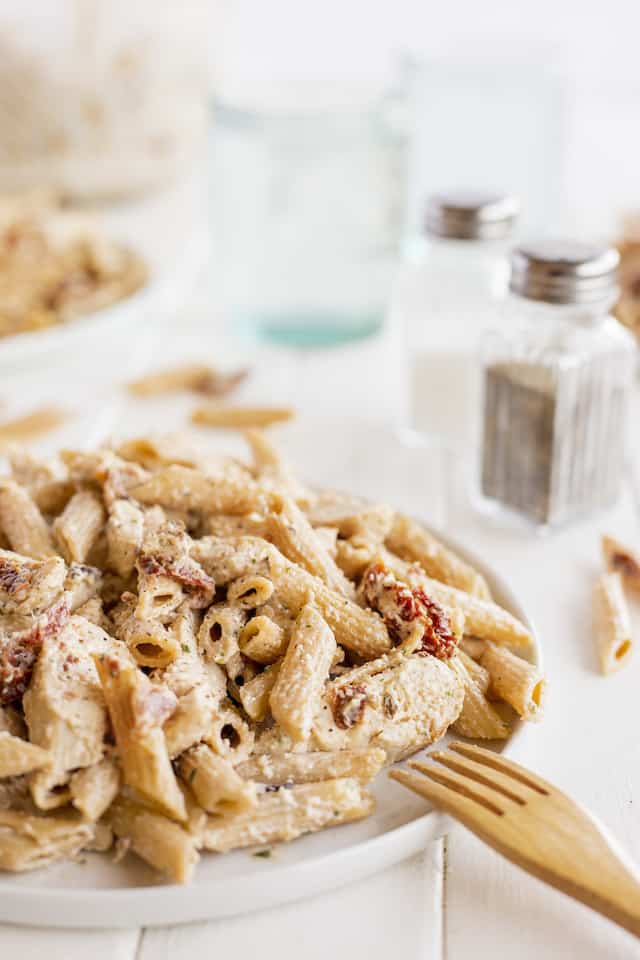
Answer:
[(466, 215), (564, 271)]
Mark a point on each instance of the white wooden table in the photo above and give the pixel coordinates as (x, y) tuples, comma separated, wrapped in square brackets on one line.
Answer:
[(458, 899)]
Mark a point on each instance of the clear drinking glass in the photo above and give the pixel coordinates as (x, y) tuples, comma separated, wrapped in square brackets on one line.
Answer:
[(308, 209)]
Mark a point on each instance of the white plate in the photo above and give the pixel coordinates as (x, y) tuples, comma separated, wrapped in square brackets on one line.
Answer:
[(100, 893)]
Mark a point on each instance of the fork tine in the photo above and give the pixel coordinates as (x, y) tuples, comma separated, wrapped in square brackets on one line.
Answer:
[(485, 796), (473, 815), (497, 762), (480, 774)]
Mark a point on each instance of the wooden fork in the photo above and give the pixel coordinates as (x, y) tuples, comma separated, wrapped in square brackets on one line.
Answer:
[(532, 824)]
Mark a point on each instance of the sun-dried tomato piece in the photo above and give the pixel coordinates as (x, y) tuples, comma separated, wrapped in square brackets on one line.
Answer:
[(19, 651), (626, 564), (402, 606), (187, 573), (348, 705)]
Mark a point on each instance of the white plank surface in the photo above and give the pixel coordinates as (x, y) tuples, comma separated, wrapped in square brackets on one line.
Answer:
[(402, 907)]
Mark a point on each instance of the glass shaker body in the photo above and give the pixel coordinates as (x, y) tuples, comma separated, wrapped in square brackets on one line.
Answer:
[(452, 279), (448, 292), (555, 385)]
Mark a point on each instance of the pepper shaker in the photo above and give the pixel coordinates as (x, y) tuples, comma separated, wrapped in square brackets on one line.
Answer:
[(557, 372)]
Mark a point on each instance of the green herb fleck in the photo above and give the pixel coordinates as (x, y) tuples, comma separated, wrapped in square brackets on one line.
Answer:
[(185, 648), (336, 813), (263, 854), (192, 774)]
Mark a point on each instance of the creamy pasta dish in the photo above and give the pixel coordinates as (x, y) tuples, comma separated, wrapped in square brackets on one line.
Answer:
[(198, 654)]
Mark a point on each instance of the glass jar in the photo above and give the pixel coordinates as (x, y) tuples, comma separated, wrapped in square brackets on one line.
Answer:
[(455, 274), (307, 217), (557, 371)]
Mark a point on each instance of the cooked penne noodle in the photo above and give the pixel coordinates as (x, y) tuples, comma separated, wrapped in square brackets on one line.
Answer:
[(354, 554), (623, 560), (219, 635), (78, 526), (478, 718), (355, 628), (229, 734), (305, 668), (187, 678), (22, 523), (262, 640), (352, 516), (288, 814), (479, 674), (156, 839), (138, 710), (94, 788), (273, 471), (182, 488), (250, 591), (125, 530), (412, 542), (192, 376), (362, 763), (293, 535), (611, 623), (30, 426), (214, 782), (514, 680), (30, 842), (254, 695), (150, 643), (158, 596), (221, 525), (18, 756), (237, 418)]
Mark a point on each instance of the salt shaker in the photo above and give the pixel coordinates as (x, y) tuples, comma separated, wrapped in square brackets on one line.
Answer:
[(557, 372), (455, 274)]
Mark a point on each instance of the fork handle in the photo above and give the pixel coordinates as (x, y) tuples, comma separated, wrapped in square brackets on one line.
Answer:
[(611, 888)]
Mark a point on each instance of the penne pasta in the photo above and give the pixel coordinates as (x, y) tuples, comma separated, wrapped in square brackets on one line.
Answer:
[(412, 542), (254, 695), (478, 718), (623, 560), (156, 839), (22, 523), (611, 623), (295, 696), (514, 680), (287, 814), (30, 842), (31, 425), (214, 782), (276, 769), (238, 418), (78, 526), (250, 591), (18, 756), (93, 789), (138, 710), (125, 530), (291, 532), (262, 640)]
